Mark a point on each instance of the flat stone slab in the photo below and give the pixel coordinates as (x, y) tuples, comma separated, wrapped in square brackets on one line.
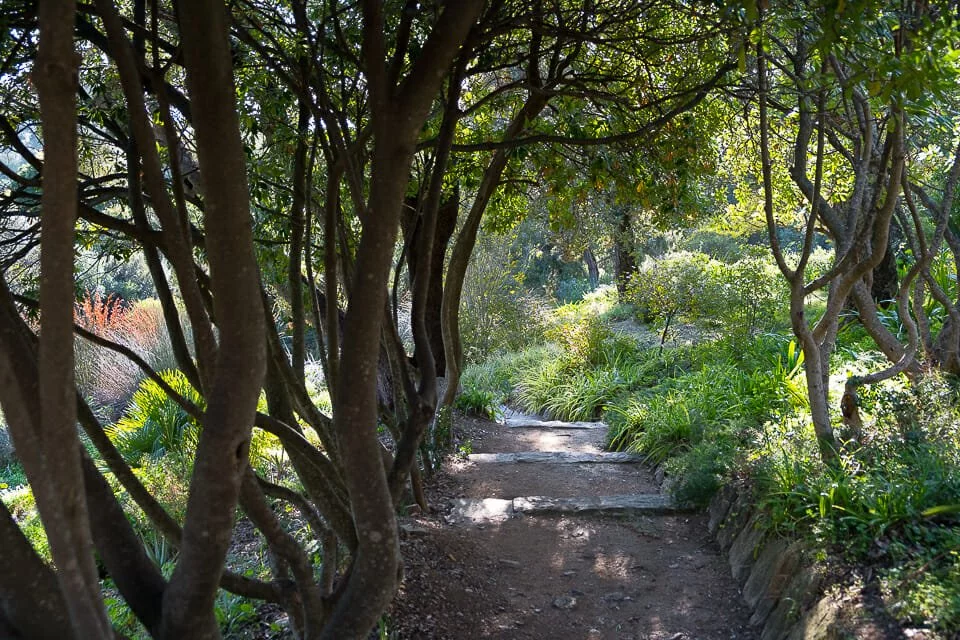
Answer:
[(568, 457), (496, 510), (529, 422), (486, 510), (653, 503)]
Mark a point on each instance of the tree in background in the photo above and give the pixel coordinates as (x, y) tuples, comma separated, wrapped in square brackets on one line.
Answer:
[(206, 238), (848, 81), (260, 159)]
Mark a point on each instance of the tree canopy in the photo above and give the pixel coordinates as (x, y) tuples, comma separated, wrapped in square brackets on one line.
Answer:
[(307, 180)]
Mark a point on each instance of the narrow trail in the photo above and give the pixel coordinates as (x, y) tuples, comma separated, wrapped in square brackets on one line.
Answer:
[(560, 539)]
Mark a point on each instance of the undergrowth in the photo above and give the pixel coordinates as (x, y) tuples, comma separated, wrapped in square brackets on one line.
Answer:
[(737, 407)]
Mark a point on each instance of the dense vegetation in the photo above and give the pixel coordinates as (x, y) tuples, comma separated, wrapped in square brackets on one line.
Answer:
[(249, 248), (715, 407)]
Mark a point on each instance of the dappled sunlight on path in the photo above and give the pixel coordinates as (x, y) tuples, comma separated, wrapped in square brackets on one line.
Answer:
[(645, 573)]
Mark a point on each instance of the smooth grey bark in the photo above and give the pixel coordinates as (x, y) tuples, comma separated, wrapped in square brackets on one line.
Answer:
[(51, 452), (398, 113), (240, 362)]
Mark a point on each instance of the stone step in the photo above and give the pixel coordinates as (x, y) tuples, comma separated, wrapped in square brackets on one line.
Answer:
[(530, 422), (651, 503), (497, 510), (568, 457), (486, 510)]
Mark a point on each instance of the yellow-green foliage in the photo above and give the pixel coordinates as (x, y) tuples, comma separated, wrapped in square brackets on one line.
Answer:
[(743, 296), (23, 508), (267, 455), (154, 425)]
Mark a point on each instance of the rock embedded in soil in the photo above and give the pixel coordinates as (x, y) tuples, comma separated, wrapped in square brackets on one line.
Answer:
[(565, 602)]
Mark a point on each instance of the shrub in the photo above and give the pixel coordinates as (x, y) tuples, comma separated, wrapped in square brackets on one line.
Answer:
[(497, 314), (501, 374), (745, 296), (125, 276), (572, 290), (536, 386), (143, 329), (478, 402), (154, 426), (892, 502), (680, 411), (698, 409), (583, 395), (670, 287), (581, 341), (583, 371), (104, 376), (267, 456), (12, 476), (167, 481), (702, 470), (718, 245), (927, 594)]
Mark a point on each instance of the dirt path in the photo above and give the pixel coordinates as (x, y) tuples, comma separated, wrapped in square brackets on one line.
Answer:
[(638, 575)]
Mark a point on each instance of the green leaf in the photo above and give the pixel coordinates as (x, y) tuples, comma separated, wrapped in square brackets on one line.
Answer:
[(940, 510)]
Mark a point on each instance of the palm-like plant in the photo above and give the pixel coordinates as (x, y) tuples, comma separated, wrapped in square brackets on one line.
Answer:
[(153, 425)]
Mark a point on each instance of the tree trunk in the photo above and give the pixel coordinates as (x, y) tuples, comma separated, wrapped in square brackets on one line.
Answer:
[(593, 271), (30, 599), (624, 259), (51, 453), (467, 239), (294, 274), (397, 117), (119, 548), (240, 362), (432, 316), (885, 283)]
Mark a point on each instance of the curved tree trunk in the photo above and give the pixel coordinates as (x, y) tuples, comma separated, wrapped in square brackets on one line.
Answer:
[(240, 363), (432, 316), (467, 240), (398, 115)]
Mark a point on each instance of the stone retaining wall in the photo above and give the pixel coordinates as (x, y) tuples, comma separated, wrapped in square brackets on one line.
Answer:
[(779, 582)]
